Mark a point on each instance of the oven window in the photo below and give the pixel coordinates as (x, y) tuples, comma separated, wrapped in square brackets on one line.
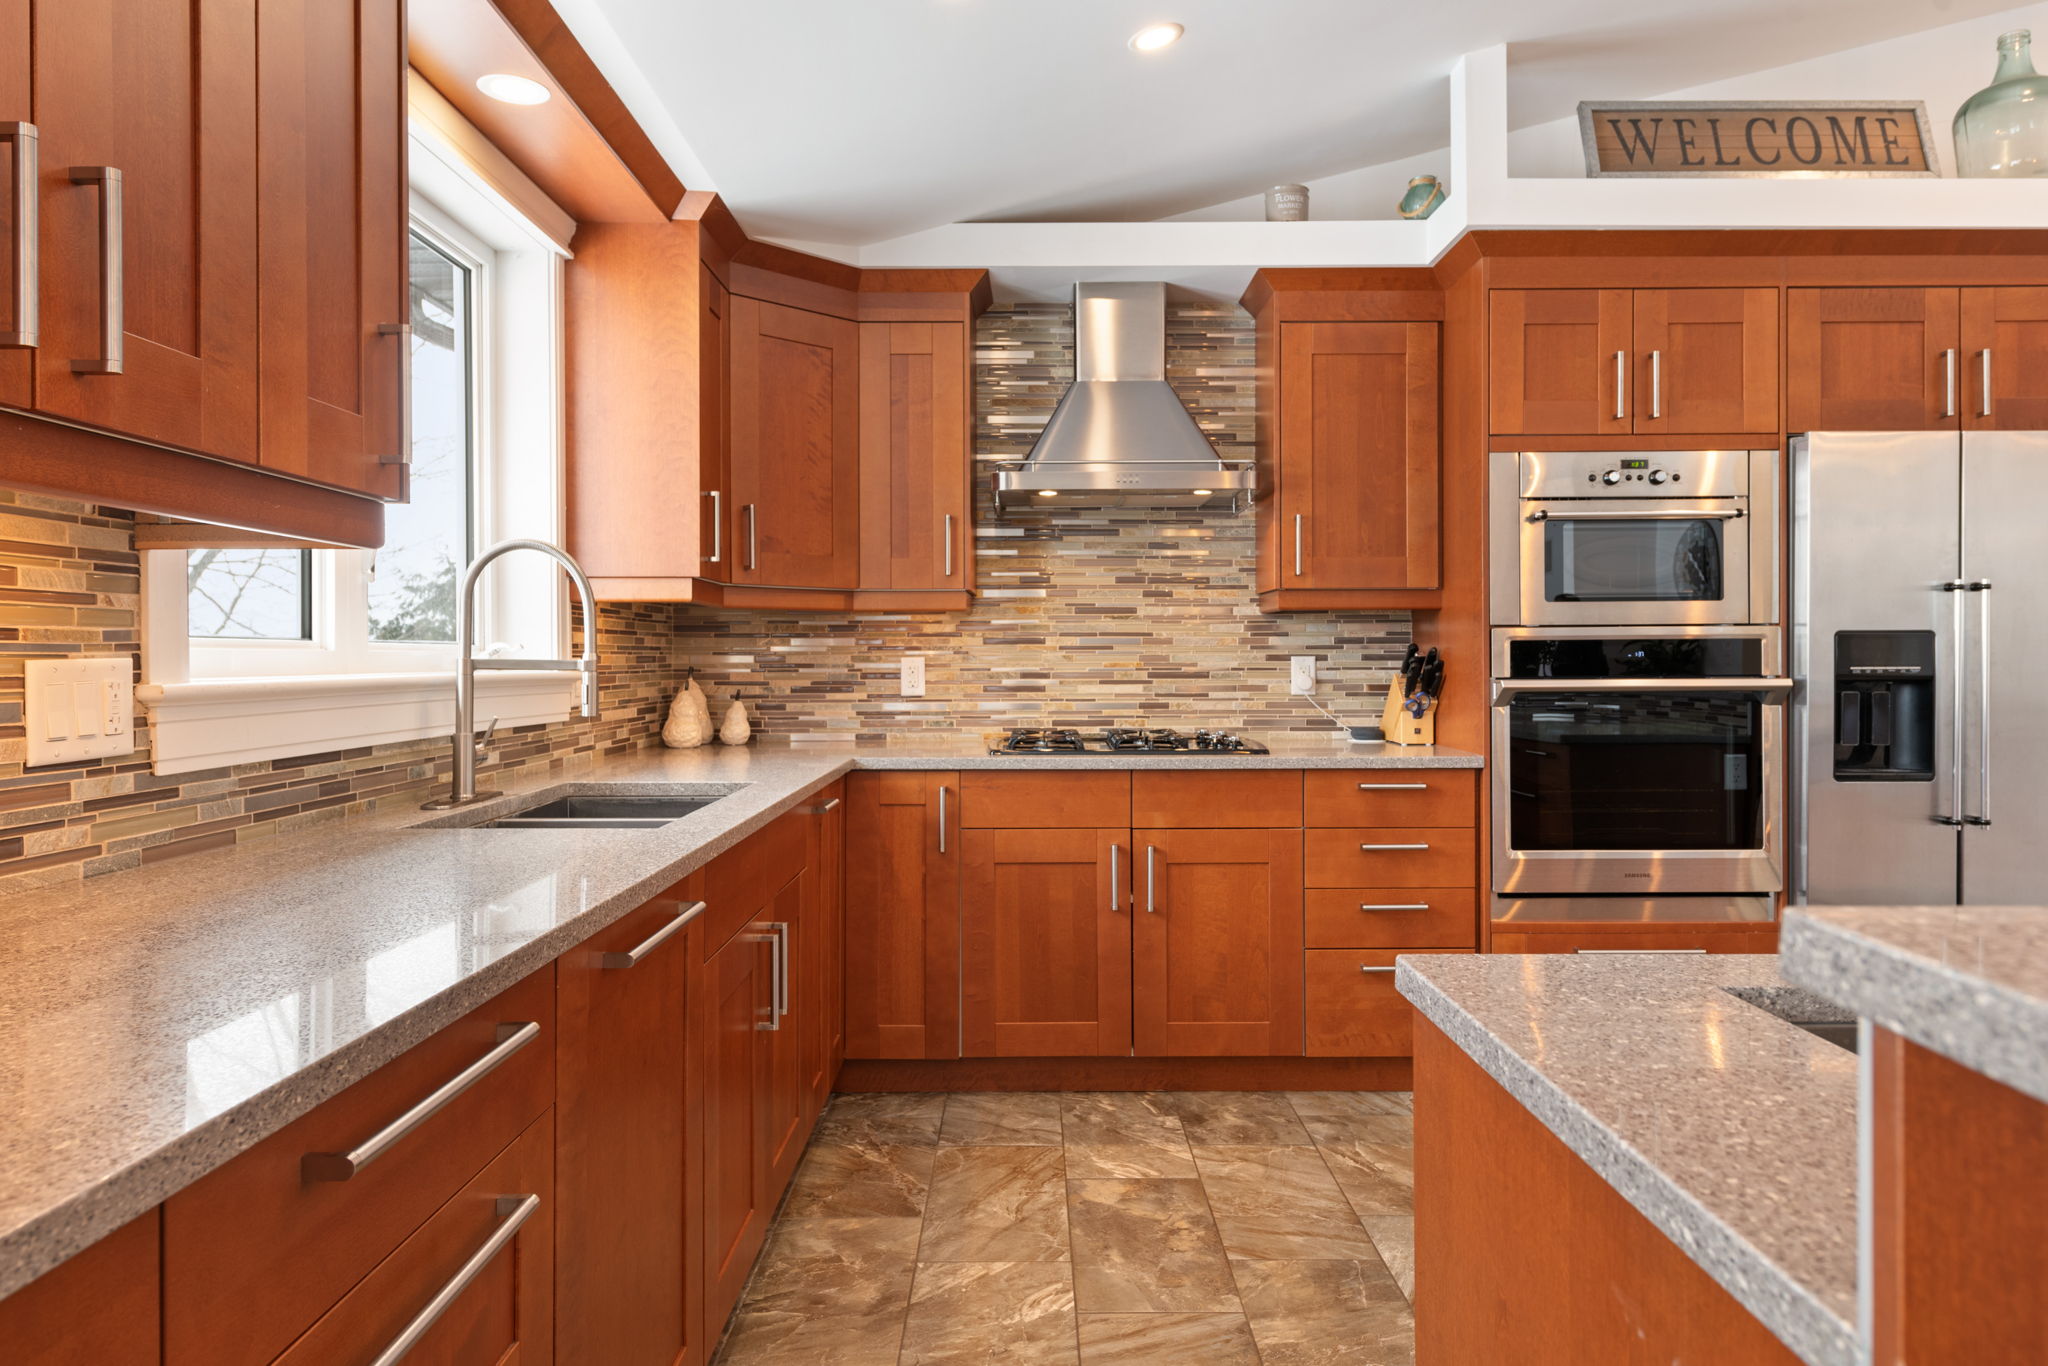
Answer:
[(1650, 770), (1654, 559)]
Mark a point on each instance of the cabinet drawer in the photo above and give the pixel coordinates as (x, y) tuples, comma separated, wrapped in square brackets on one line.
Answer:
[(509, 1303), (1380, 797), (1760, 938), (1044, 801), (1263, 799), (1390, 856), (740, 881), (258, 1250), (1353, 1009), (97, 1309), (1392, 917)]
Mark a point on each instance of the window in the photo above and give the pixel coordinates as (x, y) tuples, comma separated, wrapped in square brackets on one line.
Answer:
[(262, 652)]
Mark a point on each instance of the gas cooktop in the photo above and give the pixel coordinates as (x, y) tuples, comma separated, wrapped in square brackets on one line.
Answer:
[(1134, 740)]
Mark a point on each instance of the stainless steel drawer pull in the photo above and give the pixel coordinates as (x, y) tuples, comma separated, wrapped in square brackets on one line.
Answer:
[(1385, 848), (513, 1211), (28, 235), (655, 940), (1393, 905), (112, 257), (402, 331), (717, 554), (1610, 951), (1370, 968), (821, 810), (1393, 787), (781, 932), (341, 1166)]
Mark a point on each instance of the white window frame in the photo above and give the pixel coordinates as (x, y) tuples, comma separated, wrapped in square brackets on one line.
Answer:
[(217, 704)]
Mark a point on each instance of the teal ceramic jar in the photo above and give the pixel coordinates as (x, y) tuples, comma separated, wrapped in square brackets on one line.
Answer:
[(2002, 130), (1425, 193)]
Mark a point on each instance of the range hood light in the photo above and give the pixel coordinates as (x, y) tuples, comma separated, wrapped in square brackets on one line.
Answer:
[(1048, 493), (1204, 493)]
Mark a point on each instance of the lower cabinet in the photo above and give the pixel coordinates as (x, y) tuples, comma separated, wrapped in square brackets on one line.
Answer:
[(903, 915), (1353, 1009), (738, 1000), (790, 1030), (101, 1308)]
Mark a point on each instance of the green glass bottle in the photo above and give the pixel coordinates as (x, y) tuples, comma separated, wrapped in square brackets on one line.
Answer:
[(2002, 130)]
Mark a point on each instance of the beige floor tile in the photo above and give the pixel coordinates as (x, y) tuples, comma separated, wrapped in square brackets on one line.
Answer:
[(1377, 1178), (996, 1204), (1016, 1118), (1211, 1118), (875, 1117), (1123, 1135), (1393, 1237), (836, 1267), (1280, 1204), (860, 1180), (1147, 1246), (1167, 1340), (998, 1313), (770, 1338), (1350, 1104), (1327, 1313)]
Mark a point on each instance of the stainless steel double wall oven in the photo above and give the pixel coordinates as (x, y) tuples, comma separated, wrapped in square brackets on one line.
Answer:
[(1639, 704)]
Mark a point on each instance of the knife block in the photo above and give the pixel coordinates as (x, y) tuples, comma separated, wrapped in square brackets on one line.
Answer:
[(1403, 727)]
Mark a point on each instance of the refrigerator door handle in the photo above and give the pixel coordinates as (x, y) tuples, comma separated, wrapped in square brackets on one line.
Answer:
[(1957, 664), (1982, 816)]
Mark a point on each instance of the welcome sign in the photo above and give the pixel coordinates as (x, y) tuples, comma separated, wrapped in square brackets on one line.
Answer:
[(1741, 138)]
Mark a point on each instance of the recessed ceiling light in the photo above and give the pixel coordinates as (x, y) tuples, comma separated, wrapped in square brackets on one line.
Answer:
[(1048, 493), (500, 85), (1155, 36)]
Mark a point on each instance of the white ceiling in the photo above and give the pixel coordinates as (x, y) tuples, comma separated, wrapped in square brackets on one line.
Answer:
[(853, 121)]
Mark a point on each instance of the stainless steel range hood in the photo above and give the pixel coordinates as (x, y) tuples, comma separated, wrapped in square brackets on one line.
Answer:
[(1120, 436)]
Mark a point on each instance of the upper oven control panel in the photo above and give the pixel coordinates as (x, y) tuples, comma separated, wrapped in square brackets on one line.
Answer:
[(1632, 474)]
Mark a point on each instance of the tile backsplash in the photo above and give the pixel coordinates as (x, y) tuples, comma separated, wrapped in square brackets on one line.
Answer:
[(1128, 615)]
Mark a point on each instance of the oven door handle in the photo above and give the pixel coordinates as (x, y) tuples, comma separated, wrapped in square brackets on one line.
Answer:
[(1646, 515), (1505, 688)]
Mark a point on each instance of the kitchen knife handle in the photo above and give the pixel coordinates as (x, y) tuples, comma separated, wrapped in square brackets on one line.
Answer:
[(1620, 386), (1948, 382)]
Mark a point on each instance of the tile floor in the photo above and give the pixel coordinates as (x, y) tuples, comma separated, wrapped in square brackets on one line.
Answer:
[(1097, 1229)]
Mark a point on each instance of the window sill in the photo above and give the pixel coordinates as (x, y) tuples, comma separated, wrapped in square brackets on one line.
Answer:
[(222, 722)]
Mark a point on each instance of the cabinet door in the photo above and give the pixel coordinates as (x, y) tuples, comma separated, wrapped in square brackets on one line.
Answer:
[(1359, 497), (2005, 358), (1216, 943), (714, 428), (98, 1309), (1871, 359), (627, 1231), (795, 446), (149, 314), (736, 1009), (1353, 1009), (915, 458), (1559, 361), (1045, 943), (16, 365), (903, 915), (331, 220), (825, 972), (790, 1038), (1706, 360)]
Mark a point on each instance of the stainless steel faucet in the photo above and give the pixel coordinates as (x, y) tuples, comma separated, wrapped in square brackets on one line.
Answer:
[(462, 790)]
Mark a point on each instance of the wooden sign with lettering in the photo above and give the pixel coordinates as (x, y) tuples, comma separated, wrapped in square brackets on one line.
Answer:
[(1746, 138)]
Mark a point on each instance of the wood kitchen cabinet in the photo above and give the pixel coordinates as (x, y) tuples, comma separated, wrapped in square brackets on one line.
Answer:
[(1872, 359), (629, 1178), (101, 1308), (17, 140), (824, 981), (1354, 1010), (786, 921), (1647, 362), (738, 1000), (1045, 943), (2004, 356), (903, 874), (916, 460)]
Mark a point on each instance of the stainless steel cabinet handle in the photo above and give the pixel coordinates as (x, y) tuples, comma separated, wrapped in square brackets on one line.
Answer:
[(943, 793), (821, 810), (1608, 951), (1620, 385), (1656, 384), (1982, 587), (1984, 382), (341, 1166), (402, 331), (1948, 382), (1116, 901), (753, 542), (1393, 906), (1378, 848), (780, 929), (655, 940), (1646, 515), (1393, 787), (1504, 688), (26, 217), (513, 1211), (112, 256), (1151, 880), (717, 526), (949, 545), (1956, 733), (1297, 545), (1370, 968)]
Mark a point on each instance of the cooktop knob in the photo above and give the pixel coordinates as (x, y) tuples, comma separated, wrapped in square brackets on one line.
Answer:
[(1611, 477), (1657, 476)]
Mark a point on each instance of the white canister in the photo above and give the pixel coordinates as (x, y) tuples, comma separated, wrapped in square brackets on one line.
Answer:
[(1287, 204)]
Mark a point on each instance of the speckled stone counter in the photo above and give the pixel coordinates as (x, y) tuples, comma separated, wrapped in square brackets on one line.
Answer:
[(1969, 982), (155, 1023), (1731, 1130)]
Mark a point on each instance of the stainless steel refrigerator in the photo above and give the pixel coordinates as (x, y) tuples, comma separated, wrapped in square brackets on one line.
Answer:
[(1920, 645)]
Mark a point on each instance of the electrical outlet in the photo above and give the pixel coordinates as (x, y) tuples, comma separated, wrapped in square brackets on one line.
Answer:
[(79, 708), (1302, 675), (913, 677)]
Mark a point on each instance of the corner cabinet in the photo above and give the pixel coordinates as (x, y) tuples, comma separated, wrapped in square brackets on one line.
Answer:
[(1350, 496)]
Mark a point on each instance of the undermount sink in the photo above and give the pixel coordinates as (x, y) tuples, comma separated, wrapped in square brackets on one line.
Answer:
[(1802, 1009), (601, 813)]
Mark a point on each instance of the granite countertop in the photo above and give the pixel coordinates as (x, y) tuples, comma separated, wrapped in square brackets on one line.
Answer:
[(1969, 982), (156, 1022), (1731, 1130)]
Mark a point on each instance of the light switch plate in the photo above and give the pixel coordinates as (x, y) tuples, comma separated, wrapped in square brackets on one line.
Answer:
[(79, 708), (913, 677), (1301, 679)]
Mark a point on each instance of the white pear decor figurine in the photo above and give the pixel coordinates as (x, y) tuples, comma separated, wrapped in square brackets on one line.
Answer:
[(689, 719), (734, 730)]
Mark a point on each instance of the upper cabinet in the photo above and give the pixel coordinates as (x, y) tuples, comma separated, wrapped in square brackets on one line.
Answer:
[(916, 418), (1917, 359), (795, 396), (1644, 362)]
